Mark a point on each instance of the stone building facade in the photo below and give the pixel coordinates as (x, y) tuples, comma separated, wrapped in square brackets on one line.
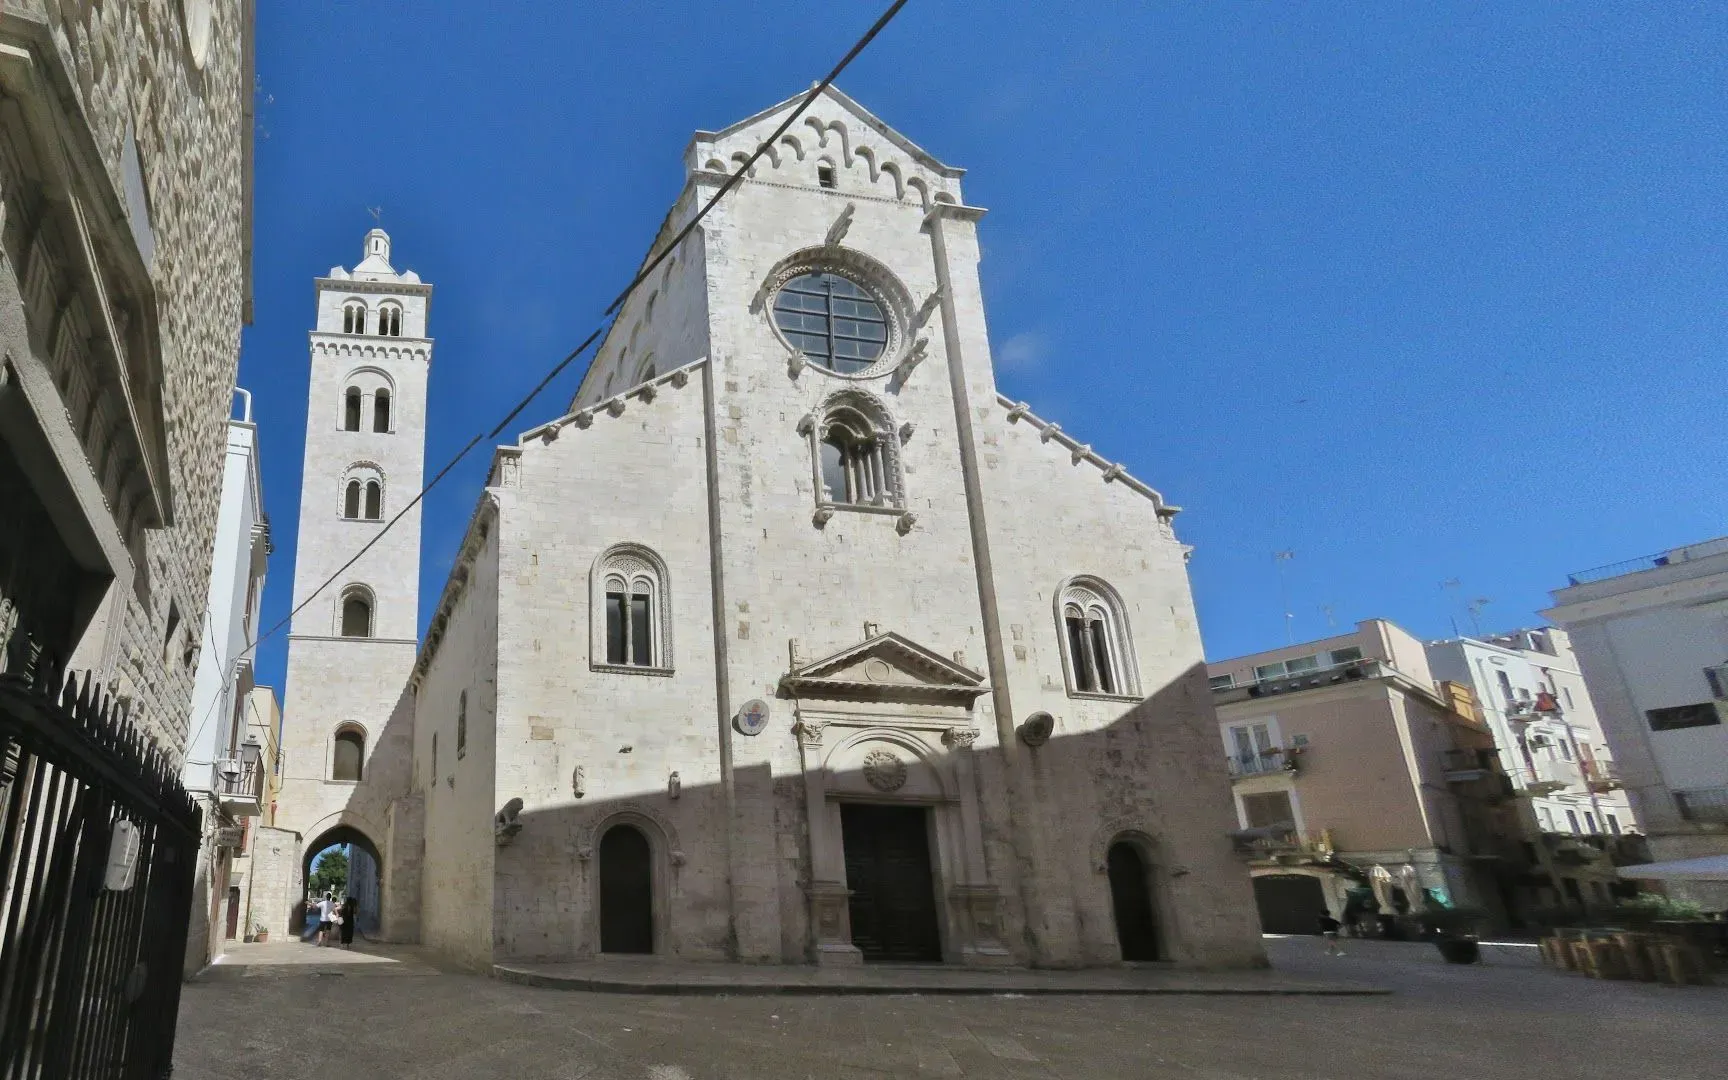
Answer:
[(125, 175), (793, 640)]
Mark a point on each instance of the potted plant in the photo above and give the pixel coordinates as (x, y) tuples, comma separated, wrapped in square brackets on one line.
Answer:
[(260, 933), (1454, 930)]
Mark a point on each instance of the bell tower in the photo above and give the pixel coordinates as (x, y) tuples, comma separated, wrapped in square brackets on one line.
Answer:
[(352, 648)]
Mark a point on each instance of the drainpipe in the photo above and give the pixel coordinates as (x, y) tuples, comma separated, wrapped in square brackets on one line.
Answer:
[(936, 223)]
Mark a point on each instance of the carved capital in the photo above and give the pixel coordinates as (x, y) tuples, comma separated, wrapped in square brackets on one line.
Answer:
[(809, 734), (960, 738)]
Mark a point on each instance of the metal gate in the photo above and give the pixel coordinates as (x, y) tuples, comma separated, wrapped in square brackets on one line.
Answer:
[(98, 848)]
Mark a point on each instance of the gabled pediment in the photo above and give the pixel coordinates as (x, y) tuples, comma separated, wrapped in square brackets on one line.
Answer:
[(887, 667), (833, 104)]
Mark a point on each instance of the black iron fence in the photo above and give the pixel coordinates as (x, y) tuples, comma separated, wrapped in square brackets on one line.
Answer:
[(98, 848)]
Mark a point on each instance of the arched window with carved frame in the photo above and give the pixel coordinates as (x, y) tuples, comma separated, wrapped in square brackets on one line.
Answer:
[(389, 319), (351, 409), (1097, 650), (855, 454), (631, 625), (381, 411)]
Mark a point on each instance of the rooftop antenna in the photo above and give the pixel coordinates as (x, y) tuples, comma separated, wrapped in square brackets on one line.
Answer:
[(1280, 558), (1454, 585), (1476, 607), (1331, 623)]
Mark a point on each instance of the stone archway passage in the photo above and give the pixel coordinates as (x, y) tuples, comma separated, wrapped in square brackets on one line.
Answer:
[(626, 891), (1131, 896), (1289, 903), (368, 891), (893, 903)]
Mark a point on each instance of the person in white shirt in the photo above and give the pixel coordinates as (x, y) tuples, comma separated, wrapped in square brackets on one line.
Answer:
[(325, 909)]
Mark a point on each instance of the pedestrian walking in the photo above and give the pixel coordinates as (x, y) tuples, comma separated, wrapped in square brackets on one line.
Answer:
[(346, 919), (326, 919), (1329, 931)]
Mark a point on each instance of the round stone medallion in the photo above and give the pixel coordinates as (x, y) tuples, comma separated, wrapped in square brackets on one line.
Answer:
[(884, 771)]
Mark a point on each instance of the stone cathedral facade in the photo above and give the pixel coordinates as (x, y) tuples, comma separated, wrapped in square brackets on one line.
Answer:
[(792, 640)]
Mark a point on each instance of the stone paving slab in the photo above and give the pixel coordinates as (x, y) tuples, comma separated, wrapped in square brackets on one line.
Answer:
[(660, 977)]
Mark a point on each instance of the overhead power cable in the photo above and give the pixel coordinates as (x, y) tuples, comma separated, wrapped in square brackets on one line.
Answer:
[(642, 275)]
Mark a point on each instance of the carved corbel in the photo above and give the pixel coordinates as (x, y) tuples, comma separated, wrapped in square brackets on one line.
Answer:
[(843, 223), (550, 435), (903, 524), (1114, 472), (585, 419), (796, 363), (1020, 409), (806, 424), (822, 516), (1050, 432), (925, 310), (906, 431), (674, 786), (506, 822), (615, 406), (679, 379), (1078, 454), (578, 782), (647, 392)]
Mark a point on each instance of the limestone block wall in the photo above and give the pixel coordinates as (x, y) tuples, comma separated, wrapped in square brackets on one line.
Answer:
[(1111, 766), (664, 323), (634, 478), (130, 69), (456, 784), (276, 883)]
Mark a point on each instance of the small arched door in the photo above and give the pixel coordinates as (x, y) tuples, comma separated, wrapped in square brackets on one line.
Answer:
[(626, 892), (1131, 895)]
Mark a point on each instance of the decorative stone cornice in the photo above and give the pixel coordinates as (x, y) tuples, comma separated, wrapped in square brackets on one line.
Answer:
[(1111, 471)]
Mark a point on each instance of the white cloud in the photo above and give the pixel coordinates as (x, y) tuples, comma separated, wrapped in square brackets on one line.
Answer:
[(1022, 352)]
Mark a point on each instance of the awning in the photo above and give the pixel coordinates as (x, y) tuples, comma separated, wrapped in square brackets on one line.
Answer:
[(1708, 868)]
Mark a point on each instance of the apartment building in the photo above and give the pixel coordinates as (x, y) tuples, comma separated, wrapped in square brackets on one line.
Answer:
[(1573, 809), (1651, 637), (1353, 767)]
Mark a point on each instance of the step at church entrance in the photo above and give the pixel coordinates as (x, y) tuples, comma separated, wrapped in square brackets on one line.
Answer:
[(893, 904)]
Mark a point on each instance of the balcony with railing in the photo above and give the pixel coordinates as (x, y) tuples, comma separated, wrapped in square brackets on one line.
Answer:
[(1601, 776), (1704, 806), (240, 783), (1262, 763), (1282, 842)]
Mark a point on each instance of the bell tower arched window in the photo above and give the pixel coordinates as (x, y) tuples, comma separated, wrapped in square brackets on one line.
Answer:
[(389, 320), (351, 409), (357, 612), (1097, 654), (354, 317), (374, 500), (381, 410), (348, 755), (351, 500)]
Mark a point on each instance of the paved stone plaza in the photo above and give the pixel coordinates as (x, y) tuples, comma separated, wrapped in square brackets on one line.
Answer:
[(328, 1014)]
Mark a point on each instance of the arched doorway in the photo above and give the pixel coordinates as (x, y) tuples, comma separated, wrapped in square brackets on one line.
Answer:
[(1131, 896), (1289, 903), (626, 891), (344, 862)]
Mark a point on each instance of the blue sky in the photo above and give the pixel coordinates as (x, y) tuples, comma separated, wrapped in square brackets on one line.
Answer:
[(1416, 292)]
